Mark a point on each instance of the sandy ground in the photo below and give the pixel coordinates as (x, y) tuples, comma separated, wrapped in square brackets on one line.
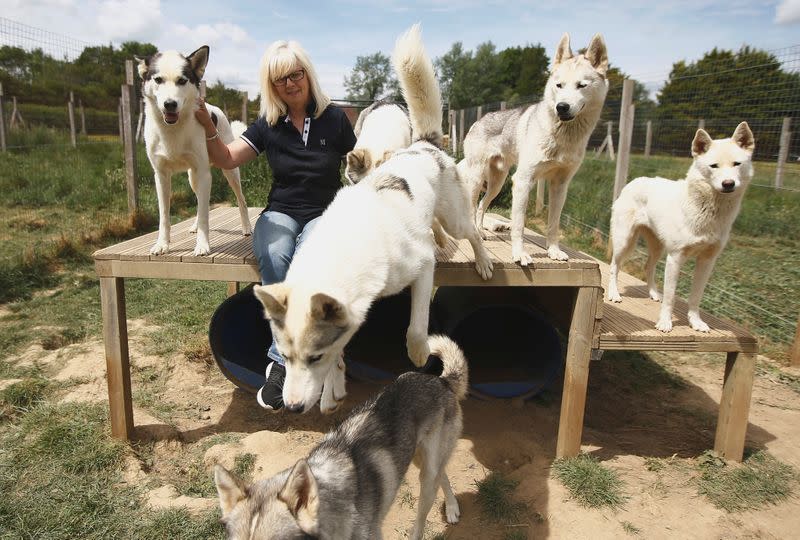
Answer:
[(629, 417)]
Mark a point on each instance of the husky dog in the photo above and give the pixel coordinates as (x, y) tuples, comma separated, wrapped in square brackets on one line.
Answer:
[(331, 284), (176, 142), (687, 218), (348, 482), (382, 129), (547, 141)]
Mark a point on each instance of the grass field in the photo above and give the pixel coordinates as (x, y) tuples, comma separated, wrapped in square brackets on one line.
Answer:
[(60, 472)]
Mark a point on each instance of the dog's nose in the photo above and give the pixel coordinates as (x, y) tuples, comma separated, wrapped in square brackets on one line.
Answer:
[(294, 407), (728, 185), (170, 105), (562, 108)]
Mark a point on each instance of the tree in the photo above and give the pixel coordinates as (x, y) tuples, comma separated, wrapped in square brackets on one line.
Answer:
[(447, 65), (371, 78)]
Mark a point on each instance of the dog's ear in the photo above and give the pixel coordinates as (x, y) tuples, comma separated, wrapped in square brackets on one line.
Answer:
[(300, 495), (274, 298), (744, 137), (358, 159), (143, 66), (386, 155), (597, 54), (563, 51), (701, 143), (198, 61), (230, 489), (327, 309)]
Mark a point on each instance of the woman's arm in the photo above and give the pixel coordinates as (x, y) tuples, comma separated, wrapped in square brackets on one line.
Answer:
[(224, 156)]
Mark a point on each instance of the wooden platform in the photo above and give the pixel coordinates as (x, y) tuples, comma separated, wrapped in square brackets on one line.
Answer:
[(591, 323)]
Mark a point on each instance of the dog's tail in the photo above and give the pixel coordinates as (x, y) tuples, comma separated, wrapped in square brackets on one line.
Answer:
[(419, 85), (238, 128), (455, 372)]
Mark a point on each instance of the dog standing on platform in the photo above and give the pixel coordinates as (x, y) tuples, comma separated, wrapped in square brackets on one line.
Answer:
[(347, 484), (387, 218), (547, 141), (176, 142), (687, 218)]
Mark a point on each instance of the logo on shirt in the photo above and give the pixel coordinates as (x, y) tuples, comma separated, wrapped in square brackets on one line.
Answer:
[(322, 142)]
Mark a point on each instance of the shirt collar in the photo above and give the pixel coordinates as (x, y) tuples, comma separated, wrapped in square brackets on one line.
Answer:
[(312, 106)]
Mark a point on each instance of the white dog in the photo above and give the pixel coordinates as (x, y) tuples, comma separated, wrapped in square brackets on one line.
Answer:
[(547, 141), (176, 142), (386, 219), (689, 218), (382, 129)]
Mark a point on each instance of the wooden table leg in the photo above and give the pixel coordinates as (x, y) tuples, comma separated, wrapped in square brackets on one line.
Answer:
[(734, 406), (576, 372), (115, 336), (233, 287)]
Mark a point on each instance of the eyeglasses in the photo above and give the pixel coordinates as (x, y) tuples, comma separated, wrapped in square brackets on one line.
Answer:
[(294, 76)]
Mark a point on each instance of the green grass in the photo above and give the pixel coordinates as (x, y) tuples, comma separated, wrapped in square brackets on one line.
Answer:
[(590, 483), (759, 481), (495, 498)]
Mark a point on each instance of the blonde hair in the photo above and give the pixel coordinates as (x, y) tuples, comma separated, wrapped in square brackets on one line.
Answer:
[(280, 59)]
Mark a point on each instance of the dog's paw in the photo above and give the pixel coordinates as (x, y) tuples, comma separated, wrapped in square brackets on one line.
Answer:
[(484, 268), (159, 248), (328, 405), (555, 253), (247, 230), (664, 325), (614, 297), (201, 248), (418, 350), (698, 324), (521, 257), (496, 225), (193, 228), (655, 295), (452, 511)]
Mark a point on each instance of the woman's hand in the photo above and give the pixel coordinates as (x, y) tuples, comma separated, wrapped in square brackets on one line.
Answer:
[(204, 118)]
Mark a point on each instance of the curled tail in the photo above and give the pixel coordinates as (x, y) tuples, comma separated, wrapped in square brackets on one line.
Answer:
[(455, 372), (419, 85), (238, 128)]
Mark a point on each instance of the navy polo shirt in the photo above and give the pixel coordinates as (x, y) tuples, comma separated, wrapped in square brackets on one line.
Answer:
[(305, 166)]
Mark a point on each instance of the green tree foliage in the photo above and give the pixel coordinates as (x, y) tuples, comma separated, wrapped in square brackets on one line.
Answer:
[(371, 78)]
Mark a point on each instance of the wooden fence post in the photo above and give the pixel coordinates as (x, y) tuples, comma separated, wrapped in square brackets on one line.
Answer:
[(2, 122), (453, 132), (794, 353), (73, 137), (83, 117), (119, 117), (461, 129), (783, 152), (701, 124), (244, 108), (624, 146), (539, 207), (480, 112), (129, 138), (648, 138), (502, 105)]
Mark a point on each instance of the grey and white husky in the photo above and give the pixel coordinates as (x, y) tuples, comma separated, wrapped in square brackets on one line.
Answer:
[(345, 487), (176, 142), (547, 141)]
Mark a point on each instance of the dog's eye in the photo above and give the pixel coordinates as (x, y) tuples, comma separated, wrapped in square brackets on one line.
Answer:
[(314, 359), (736, 163), (559, 85), (182, 81), (158, 80), (713, 165), (581, 85)]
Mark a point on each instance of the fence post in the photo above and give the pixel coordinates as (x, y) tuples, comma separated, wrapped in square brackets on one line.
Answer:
[(648, 138), (701, 124), (502, 105), (625, 129), (71, 110), (537, 210), (244, 108), (794, 353), (461, 129), (480, 112), (783, 152), (140, 123), (453, 132), (119, 117), (131, 169), (83, 117), (2, 122)]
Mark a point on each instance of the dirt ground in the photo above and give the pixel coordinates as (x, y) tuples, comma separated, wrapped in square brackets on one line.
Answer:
[(661, 406)]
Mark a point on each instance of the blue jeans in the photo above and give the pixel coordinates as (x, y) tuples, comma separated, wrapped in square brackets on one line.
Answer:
[(276, 238)]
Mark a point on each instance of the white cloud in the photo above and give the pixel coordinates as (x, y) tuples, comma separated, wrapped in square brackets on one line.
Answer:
[(788, 12), (127, 20)]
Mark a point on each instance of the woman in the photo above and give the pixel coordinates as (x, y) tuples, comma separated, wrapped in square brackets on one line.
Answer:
[(304, 138)]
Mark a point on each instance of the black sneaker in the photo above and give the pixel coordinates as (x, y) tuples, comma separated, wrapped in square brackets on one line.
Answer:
[(270, 396)]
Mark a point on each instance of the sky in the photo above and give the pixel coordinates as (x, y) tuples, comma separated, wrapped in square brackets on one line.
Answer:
[(644, 38)]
